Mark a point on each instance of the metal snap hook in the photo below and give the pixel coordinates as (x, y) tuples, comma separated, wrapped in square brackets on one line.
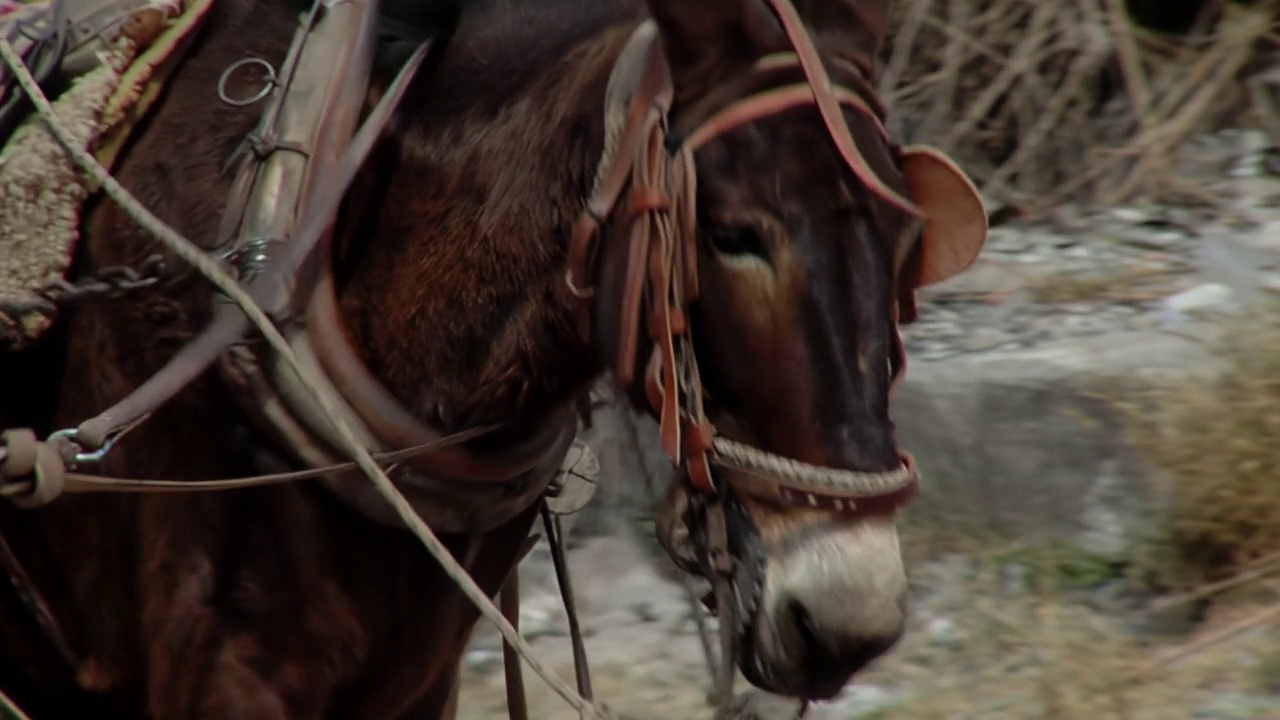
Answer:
[(269, 81)]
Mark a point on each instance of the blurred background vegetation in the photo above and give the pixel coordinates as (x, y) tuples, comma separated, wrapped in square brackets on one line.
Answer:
[(1094, 106)]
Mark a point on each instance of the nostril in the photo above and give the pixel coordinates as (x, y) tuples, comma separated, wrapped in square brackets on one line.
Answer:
[(832, 657), (808, 632)]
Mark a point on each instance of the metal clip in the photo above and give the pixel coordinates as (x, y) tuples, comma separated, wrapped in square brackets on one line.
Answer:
[(66, 438), (75, 451)]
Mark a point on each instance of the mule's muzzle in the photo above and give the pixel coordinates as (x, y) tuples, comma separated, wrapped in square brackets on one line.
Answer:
[(832, 603), (824, 663), (830, 661), (823, 596)]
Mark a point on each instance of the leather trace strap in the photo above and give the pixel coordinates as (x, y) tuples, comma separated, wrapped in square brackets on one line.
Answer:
[(30, 477), (644, 181), (92, 439), (271, 282), (279, 225)]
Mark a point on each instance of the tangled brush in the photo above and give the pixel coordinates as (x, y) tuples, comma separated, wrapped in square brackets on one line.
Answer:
[(1216, 443), (1050, 101)]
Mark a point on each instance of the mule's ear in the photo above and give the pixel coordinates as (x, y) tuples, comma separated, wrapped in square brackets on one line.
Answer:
[(706, 35), (955, 222)]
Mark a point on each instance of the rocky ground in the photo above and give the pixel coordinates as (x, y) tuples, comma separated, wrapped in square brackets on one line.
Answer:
[(1003, 409)]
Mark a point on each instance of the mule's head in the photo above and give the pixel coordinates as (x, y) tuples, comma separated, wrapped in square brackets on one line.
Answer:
[(800, 265)]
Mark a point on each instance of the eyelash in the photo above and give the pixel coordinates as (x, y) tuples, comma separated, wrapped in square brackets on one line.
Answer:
[(737, 240)]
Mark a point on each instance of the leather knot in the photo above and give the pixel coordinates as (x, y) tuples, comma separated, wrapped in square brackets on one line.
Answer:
[(20, 449), (29, 461)]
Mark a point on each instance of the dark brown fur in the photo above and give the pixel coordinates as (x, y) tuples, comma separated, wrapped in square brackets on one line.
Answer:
[(282, 602)]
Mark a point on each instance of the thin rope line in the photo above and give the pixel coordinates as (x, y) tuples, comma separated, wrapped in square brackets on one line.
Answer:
[(6, 703)]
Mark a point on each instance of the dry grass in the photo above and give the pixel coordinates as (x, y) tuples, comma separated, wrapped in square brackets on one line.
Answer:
[(1048, 657), (1220, 446), (1046, 101)]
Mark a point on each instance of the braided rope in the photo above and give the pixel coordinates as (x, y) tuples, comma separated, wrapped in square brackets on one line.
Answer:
[(815, 478)]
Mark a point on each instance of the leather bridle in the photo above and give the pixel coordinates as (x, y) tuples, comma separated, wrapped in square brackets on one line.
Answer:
[(661, 277), (647, 180)]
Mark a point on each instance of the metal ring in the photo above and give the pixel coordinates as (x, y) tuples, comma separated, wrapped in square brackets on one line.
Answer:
[(269, 81)]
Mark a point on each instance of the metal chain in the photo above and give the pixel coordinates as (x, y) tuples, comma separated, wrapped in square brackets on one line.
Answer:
[(112, 282)]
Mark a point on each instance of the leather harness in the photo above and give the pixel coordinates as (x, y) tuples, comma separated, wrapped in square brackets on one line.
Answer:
[(276, 225), (305, 154)]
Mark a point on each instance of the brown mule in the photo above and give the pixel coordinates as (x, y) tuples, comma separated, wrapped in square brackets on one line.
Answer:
[(450, 280)]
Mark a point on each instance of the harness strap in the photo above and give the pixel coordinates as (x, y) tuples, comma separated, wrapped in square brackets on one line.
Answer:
[(509, 601), (103, 430), (517, 704), (556, 540), (272, 287), (38, 35), (19, 482), (720, 571), (229, 325)]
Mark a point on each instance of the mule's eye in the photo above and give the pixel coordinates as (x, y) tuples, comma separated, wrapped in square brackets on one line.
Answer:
[(737, 240)]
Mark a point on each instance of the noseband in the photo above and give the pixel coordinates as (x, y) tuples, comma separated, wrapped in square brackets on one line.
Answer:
[(661, 265)]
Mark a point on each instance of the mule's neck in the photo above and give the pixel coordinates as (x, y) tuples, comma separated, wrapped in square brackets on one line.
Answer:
[(454, 285)]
